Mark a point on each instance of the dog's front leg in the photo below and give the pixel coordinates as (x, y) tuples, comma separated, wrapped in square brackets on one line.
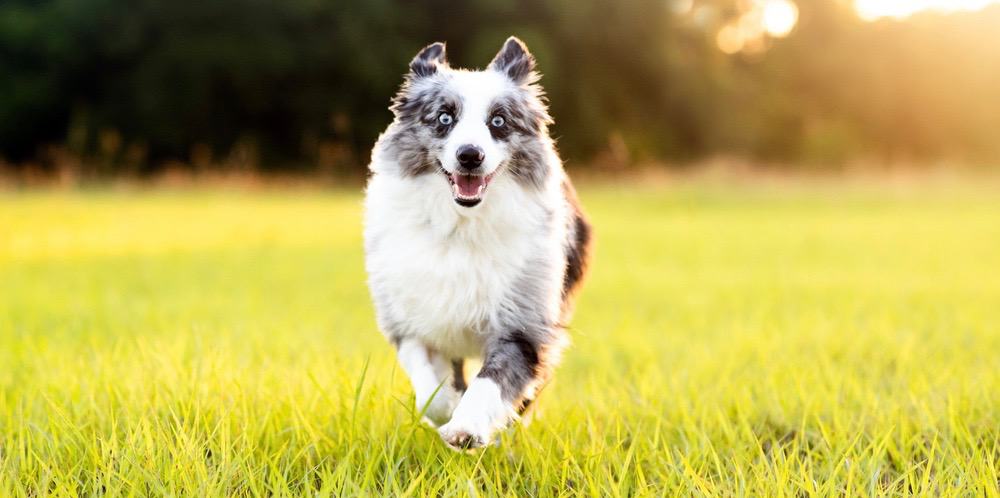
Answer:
[(515, 366), (432, 377)]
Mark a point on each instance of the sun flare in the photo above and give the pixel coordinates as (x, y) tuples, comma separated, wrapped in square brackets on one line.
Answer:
[(761, 19), (779, 17), (875, 9)]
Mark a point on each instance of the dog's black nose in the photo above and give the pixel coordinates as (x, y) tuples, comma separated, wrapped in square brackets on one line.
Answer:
[(470, 157)]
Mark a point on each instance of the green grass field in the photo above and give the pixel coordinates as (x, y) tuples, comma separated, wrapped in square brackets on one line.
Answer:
[(809, 340)]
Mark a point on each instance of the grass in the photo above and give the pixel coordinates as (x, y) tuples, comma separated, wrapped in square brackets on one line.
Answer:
[(801, 341)]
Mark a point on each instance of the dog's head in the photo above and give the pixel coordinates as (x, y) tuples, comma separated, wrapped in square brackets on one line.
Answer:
[(470, 126)]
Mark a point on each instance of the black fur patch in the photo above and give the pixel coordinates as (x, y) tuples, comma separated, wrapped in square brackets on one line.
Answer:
[(528, 164), (525, 404), (410, 152), (578, 242), (423, 100), (458, 375), (427, 60), (417, 133), (520, 115), (512, 362), (500, 132), (526, 133), (515, 61), (449, 106), (396, 341)]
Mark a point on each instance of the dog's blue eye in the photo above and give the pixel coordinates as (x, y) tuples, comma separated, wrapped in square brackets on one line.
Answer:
[(445, 118), (497, 121)]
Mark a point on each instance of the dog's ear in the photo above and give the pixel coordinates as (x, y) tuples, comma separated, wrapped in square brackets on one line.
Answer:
[(428, 60), (515, 61)]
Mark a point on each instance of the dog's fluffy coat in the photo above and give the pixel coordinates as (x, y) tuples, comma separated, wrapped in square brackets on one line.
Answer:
[(457, 271)]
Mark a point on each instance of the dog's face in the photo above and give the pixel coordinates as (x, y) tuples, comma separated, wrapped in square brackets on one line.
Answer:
[(470, 126)]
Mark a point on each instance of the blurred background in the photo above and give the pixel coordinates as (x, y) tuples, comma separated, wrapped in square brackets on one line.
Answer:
[(97, 89)]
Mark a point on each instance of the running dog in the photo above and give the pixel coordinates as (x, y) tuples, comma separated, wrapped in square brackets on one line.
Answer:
[(475, 242)]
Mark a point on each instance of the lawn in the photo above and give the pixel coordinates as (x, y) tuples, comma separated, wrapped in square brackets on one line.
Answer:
[(801, 340)]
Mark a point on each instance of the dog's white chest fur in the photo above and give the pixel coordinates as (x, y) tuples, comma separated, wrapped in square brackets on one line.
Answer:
[(445, 275)]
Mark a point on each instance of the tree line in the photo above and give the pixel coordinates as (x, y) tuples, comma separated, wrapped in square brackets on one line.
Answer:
[(132, 85)]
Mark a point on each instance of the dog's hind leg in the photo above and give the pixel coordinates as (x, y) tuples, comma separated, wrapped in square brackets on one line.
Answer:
[(516, 365), (432, 376)]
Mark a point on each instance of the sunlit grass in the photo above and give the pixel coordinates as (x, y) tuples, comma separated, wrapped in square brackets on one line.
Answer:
[(799, 342)]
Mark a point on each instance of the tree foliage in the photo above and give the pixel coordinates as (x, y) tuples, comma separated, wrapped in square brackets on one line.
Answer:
[(307, 82)]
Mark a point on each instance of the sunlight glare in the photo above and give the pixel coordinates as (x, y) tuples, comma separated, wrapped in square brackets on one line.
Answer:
[(871, 10), (730, 39), (761, 19), (681, 7), (779, 17)]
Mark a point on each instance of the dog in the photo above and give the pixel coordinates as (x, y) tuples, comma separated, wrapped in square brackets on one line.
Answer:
[(475, 242)]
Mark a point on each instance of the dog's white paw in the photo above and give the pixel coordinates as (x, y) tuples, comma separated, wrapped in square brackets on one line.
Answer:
[(461, 437), (479, 415)]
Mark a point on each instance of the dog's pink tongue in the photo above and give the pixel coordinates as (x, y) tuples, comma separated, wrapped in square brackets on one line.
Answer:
[(469, 186)]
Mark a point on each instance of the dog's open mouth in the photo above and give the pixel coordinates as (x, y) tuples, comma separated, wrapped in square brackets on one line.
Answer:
[(468, 190)]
